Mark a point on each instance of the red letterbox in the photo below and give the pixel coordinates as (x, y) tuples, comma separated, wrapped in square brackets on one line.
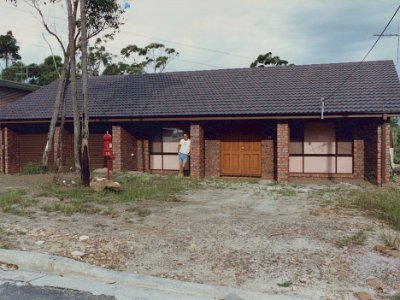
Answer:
[(108, 147)]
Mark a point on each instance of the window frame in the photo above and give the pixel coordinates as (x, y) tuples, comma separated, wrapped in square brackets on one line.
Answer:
[(160, 135), (336, 155)]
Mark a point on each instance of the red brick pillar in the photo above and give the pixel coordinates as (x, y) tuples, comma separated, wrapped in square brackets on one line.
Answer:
[(378, 163), (1, 151), (385, 156), (358, 159), (125, 146), (197, 158), (282, 151), (143, 155), (11, 151)]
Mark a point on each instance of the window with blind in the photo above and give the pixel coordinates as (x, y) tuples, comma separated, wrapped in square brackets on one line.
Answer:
[(320, 148), (164, 149)]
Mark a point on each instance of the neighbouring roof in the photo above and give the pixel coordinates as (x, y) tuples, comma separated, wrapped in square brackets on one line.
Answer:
[(18, 86), (285, 90)]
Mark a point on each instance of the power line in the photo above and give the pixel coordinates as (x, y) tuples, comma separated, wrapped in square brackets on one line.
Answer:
[(129, 33), (365, 57)]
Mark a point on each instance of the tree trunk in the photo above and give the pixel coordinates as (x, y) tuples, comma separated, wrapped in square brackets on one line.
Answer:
[(58, 160), (85, 174), (54, 117), (75, 108)]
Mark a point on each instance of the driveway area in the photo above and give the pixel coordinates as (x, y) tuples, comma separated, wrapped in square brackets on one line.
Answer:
[(252, 234)]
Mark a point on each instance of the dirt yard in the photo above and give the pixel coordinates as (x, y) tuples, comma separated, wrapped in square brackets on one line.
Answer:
[(251, 234)]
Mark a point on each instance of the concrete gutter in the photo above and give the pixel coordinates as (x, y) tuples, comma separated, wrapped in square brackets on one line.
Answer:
[(69, 269)]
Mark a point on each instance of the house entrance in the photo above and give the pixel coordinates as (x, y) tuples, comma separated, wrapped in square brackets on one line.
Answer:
[(241, 154)]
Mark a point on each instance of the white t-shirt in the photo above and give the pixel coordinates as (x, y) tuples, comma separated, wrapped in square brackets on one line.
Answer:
[(185, 146)]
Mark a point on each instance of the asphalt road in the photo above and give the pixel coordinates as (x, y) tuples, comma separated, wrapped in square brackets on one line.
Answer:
[(12, 291)]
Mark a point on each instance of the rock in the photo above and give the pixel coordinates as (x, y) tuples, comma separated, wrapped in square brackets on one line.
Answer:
[(83, 238), (303, 280), (100, 184), (77, 253), (39, 243), (375, 283), (380, 248), (363, 296)]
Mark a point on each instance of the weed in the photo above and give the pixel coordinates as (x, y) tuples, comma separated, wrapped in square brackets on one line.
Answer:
[(287, 192), (142, 212), (358, 238), (14, 202), (379, 202), (6, 245), (99, 225), (34, 169), (391, 239), (285, 284)]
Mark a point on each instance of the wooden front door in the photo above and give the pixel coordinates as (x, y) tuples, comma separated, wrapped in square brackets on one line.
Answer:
[(241, 154)]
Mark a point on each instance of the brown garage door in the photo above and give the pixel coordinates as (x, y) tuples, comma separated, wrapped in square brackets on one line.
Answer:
[(241, 154)]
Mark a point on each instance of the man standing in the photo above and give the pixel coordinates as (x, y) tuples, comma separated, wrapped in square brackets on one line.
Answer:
[(183, 152)]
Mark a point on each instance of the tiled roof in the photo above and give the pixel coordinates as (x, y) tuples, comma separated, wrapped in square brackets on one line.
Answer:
[(18, 86), (285, 90)]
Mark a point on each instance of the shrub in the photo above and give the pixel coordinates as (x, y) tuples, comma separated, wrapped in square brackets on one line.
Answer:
[(34, 169)]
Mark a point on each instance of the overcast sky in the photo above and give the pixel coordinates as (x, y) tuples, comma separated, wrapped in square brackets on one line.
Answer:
[(300, 31)]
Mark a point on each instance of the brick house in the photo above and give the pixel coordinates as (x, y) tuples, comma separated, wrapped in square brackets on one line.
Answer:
[(11, 91), (263, 122)]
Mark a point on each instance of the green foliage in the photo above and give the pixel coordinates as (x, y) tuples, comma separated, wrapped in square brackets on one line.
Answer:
[(153, 58), (9, 50), (41, 74), (264, 60), (382, 203), (285, 284), (103, 16), (34, 169), (14, 202), (395, 132)]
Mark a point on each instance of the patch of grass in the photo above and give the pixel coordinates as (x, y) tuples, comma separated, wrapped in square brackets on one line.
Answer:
[(285, 284), (6, 245), (287, 192), (143, 212), (15, 202), (99, 225), (359, 238), (34, 169), (380, 202), (391, 239)]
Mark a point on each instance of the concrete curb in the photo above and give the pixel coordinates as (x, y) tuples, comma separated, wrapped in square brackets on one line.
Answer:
[(55, 265)]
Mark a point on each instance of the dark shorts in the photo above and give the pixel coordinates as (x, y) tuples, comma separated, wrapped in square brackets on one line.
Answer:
[(183, 158)]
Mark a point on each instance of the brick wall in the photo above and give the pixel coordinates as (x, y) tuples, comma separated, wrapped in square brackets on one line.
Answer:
[(268, 153), (124, 144), (11, 151), (143, 155), (282, 152), (385, 155), (359, 153), (1, 151), (197, 151), (212, 146)]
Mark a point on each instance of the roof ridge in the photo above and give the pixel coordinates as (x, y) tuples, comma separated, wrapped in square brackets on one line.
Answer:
[(245, 69)]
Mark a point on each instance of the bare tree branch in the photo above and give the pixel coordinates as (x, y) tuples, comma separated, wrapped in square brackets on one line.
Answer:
[(34, 4), (52, 54)]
